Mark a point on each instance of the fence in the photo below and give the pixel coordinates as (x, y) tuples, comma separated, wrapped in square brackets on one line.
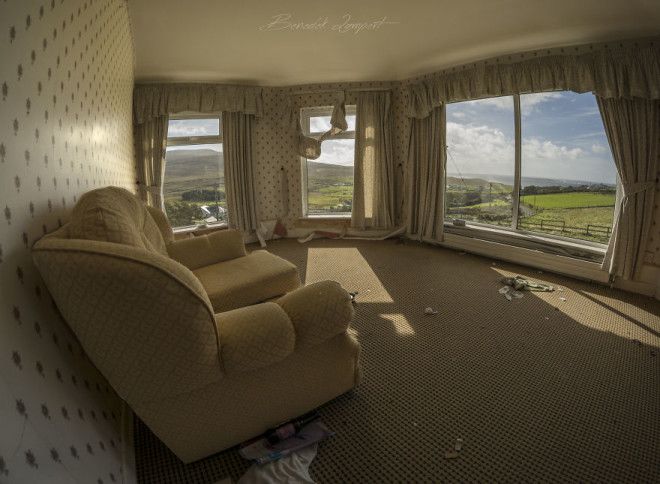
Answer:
[(558, 225)]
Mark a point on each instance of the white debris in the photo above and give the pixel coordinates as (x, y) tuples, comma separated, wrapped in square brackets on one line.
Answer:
[(458, 445), (510, 293), (562, 298), (430, 311)]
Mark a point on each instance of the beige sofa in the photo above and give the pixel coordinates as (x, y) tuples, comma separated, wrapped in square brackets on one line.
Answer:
[(180, 328)]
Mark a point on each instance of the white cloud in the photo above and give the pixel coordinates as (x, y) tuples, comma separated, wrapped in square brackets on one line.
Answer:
[(192, 127), (534, 149), (457, 114), (598, 148), (319, 124), (528, 102), (337, 152), (487, 150), (504, 102), (479, 149)]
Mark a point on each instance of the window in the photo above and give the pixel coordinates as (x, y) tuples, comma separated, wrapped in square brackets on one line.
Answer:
[(556, 177), (480, 161), (194, 182), (328, 180)]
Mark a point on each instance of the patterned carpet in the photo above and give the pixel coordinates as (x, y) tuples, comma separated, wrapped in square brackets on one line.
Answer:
[(553, 387)]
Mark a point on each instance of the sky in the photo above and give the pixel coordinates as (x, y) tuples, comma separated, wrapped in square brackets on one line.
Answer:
[(562, 137), (194, 127)]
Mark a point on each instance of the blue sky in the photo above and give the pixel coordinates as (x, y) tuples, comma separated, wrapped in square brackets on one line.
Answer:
[(562, 137), (194, 127)]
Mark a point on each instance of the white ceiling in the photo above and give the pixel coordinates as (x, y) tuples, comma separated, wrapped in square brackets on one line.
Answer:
[(221, 40)]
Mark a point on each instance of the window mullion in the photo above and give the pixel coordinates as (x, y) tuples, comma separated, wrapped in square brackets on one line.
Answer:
[(516, 175)]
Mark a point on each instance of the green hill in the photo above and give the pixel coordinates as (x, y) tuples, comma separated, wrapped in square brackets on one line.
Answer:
[(458, 184), (327, 171), (192, 169)]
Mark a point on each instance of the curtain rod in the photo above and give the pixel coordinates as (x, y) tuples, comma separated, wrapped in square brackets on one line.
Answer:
[(365, 89)]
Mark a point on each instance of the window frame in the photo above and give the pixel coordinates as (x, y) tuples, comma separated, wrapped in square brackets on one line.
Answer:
[(306, 113), (586, 249), (194, 140)]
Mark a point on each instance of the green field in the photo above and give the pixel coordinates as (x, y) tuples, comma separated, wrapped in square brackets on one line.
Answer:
[(571, 212), (569, 200), (580, 215), (188, 171), (329, 188)]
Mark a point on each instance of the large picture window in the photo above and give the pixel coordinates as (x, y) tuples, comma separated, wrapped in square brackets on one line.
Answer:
[(328, 180), (537, 163), (194, 182)]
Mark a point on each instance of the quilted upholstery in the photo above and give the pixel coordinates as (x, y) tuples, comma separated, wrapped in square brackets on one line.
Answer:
[(247, 280), (318, 312), (113, 214), (248, 344), (244, 405), (215, 247), (108, 300), (162, 224), (202, 378)]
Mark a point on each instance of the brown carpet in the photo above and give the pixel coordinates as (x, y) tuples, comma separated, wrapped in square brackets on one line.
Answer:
[(539, 389)]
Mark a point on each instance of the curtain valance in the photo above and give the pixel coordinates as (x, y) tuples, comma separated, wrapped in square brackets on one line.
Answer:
[(624, 71), (153, 100)]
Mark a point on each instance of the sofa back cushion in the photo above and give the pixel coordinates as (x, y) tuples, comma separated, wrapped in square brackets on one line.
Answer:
[(163, 224), (113, 214)]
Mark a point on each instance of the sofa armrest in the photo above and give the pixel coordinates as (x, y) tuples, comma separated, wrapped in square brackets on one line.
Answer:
[(254, 337), (318, 312), (207, 249)]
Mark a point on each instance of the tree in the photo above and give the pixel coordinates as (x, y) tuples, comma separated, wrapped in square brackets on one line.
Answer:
[(181, 213), (203, 195)]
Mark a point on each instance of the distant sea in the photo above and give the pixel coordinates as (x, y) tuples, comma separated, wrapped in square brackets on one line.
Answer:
[(527, 181)]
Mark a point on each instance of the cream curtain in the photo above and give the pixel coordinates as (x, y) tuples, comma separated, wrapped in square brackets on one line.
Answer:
[(155, 100), (150, 144), (633, 132), (239, 170), (426, 165), (610, 72), (373, 190), (310, 147)]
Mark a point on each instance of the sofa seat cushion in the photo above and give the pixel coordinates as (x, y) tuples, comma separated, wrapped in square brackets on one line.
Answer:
[(247, 280)]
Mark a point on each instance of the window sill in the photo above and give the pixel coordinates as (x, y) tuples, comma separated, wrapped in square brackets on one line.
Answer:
[(582, 250), (337, 216), (198, 229), (323, 221)]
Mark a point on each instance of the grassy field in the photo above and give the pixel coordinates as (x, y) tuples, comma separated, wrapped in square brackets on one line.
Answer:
[(569, 200), (329, 187), (575, 214), (486, 205)]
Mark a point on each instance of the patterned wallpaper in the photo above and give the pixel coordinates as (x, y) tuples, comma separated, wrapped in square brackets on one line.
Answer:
[(65, 128), (278, 195)]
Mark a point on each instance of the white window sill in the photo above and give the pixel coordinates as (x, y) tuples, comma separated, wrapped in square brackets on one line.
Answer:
[(197, 228), (578, 249), (334, 216)]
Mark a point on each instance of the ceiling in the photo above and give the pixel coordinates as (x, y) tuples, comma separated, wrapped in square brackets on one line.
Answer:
[(258, 42)]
